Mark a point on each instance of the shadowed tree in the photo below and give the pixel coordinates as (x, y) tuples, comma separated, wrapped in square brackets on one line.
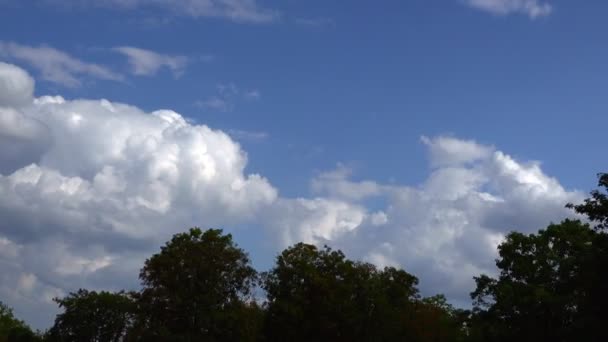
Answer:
[(541, 287), (595, 282), (92, 316), (319, 295), (196, 289)]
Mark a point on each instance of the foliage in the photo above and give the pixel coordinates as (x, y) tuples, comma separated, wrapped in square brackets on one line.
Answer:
[(195, 289), (540, 289), (13, 329), (320, 295), (92, 316), (596, 207)]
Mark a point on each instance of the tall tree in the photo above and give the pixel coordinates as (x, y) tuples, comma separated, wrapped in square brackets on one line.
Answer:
[(541, 287), (196, 289), (90, 316), (595, 281), (319, 295)]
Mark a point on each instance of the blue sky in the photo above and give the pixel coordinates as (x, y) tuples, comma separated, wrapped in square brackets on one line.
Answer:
[(338, 92)]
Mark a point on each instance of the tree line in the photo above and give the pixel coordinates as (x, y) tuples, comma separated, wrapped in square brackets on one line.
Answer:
[(551, 286)]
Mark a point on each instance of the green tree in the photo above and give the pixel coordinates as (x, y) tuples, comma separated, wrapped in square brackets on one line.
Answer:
[(196, 289), (319, 295), (595, 281), (13, 329), (438, 320), (92, 316), (596, 206), (541, 286)]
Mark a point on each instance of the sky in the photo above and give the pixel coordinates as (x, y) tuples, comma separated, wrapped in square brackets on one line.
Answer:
[(410, 133)]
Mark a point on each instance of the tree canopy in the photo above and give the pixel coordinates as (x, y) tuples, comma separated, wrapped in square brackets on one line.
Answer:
[(195, 287), (92, 316)]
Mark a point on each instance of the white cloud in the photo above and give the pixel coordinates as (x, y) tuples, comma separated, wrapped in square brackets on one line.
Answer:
[(335, 184), (56, 66), (104, 184), (107, 184), (531, 8), (446, 230), (245, 11), (448, 151), (146, 63), (16, 86)]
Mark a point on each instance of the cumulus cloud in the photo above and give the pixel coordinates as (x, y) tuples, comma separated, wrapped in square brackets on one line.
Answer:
[(56, 66), (108, 183), (246, 11), (146, 63), (446, 229), (531, 8), (103, 184), (16, 86), (336, 184)]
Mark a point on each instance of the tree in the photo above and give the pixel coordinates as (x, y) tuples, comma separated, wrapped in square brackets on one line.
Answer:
[(595, 283), (541, 287), (13, 329), (196, 289), (92, 316), (596, 207), (319, 295), (438, 320)]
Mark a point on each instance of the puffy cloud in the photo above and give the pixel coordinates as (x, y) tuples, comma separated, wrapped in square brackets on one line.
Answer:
[(446, 230), (531, 8), (318, 220), (336, 184), (56, 66), (102, 185), (146, 63), (108, 184), (16, 86), (21, 137), (447, 151)]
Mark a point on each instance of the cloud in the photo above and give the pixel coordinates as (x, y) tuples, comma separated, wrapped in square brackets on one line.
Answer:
[(101, 185), (16, 86), (531, 8), (446, 229), (56, 66), (242, 11), (147, 63), (335, 184), (448, 151)]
